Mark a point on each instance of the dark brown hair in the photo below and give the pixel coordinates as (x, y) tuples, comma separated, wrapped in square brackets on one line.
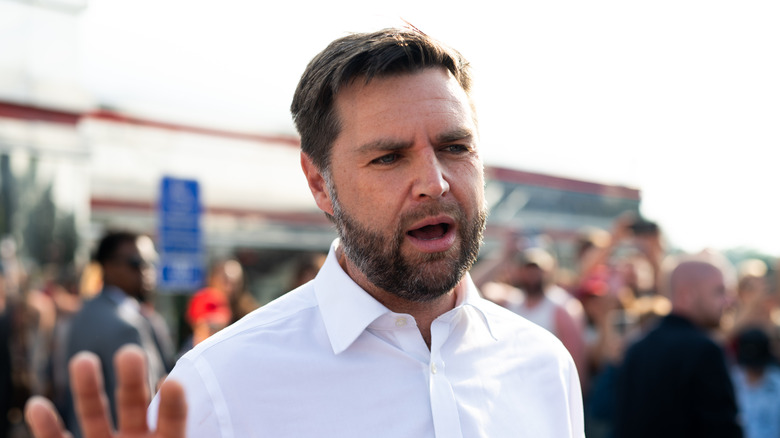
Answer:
[(365, 55)]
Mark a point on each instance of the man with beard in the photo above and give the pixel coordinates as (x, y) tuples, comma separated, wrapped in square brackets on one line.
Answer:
[(391, 338), (675, 382)]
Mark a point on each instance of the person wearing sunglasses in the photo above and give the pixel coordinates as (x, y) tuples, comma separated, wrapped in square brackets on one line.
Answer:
[(115, 316)]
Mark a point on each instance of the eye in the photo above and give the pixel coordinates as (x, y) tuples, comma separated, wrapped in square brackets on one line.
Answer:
[(456, 148), (386, 159)]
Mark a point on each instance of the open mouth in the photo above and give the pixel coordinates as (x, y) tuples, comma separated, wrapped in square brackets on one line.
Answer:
[(430, 232)]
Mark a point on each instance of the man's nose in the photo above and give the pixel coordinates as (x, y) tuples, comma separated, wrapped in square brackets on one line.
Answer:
[(430, 177)]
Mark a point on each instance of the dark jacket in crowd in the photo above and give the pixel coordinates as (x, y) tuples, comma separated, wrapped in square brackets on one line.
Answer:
[(103, 325), (675, 383)]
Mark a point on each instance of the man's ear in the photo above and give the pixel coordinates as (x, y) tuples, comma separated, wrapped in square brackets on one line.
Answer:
[(317, 184)]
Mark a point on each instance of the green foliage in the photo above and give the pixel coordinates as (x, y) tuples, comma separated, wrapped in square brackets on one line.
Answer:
[(29, 214)]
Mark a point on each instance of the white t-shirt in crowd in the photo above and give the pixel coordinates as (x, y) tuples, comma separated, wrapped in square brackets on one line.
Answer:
[(328, 360)]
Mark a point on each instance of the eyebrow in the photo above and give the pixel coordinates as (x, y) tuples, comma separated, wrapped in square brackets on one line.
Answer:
[(459, 134), (384, 145)]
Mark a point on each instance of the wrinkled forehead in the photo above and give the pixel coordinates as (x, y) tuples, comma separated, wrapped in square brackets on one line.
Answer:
[(364, 102)]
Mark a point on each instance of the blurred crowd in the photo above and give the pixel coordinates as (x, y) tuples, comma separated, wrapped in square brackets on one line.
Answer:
[(620, 295), (105, 305), (624, 286)]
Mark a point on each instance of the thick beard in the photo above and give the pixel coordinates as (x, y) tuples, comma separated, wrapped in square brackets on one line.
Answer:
[(423, 279)]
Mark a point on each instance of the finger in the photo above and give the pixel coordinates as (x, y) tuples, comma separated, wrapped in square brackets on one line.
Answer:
[(43, 419), (89, 395), (172, 417), (132, 393)]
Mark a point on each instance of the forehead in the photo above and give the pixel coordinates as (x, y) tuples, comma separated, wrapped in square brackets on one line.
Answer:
[(396, 105)]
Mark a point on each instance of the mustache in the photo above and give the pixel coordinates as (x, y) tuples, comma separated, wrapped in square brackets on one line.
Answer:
[(448, 208)]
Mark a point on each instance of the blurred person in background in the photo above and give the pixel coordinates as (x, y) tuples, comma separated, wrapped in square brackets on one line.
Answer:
[(616, 282), (6, 380), (221, 303), (604, 344), (53, 306), (13, 392), (226, 288), (68, 302), (41, 318), (674, 382), (240, 299), (306, 269), (80, 284), (756, 379), (523, 283), (114, 317), (755, 302), (604, 284), (207, 313), (19, 323), (631, 255), (611, 327)]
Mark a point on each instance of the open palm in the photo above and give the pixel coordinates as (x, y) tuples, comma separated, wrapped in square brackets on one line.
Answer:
[(92, 404)]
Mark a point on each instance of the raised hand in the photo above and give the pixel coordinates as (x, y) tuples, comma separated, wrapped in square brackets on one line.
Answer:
[(92, 404)]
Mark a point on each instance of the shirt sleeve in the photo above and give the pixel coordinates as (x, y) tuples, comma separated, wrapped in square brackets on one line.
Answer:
[(205, 417)]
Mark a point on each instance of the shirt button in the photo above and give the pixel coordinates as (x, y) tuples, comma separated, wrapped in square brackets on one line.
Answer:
[(400, 322), (433, 368)]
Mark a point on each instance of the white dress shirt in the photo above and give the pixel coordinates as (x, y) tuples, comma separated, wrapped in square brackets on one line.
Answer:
[(328, 360)]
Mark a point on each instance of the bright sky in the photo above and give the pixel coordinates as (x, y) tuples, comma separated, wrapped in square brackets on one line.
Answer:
[(680, 99)]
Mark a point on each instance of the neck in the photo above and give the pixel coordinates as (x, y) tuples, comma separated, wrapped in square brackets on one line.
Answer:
[(424, 313)]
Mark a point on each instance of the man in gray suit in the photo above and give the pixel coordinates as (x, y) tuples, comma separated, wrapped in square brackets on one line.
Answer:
[(114, 317)]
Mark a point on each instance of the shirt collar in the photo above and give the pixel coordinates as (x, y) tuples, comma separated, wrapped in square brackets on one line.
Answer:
[(472, 298), (347, 310), (345, 307)]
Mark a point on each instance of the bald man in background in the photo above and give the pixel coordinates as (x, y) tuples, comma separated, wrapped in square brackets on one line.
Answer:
[(674, 382)]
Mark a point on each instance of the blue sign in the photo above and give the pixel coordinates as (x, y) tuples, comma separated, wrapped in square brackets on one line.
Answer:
[(179, 235)]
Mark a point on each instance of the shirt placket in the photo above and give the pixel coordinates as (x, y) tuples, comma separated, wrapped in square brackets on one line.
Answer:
[(446, 420), (401, 331)]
